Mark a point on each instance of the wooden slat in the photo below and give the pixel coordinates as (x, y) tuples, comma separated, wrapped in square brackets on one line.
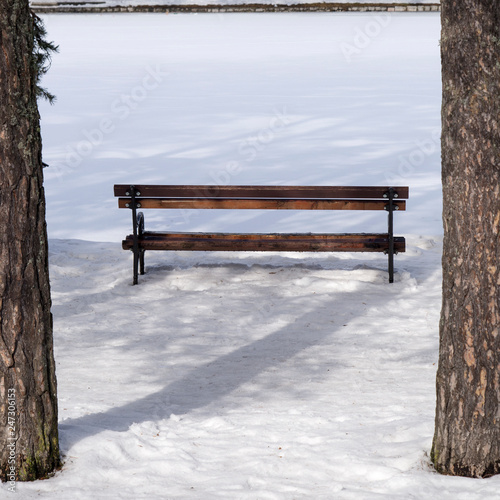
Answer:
[(179, 191), (263, 204), (266, 242)]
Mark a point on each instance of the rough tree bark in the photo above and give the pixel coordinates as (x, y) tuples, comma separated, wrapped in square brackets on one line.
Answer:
[(28, 404), (467, 427)]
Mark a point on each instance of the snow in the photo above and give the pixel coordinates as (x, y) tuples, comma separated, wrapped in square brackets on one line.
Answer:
[(245, 375)]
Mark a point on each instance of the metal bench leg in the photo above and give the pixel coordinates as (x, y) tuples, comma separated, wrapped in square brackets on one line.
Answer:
[(390, 207), (391, 266), (141, 261), (138, 229), (136, 262)]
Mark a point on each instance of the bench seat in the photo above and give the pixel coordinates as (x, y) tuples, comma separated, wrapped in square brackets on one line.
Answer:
[(271, 242)]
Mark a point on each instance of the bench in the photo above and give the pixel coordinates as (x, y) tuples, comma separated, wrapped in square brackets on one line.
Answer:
[(134, 197)]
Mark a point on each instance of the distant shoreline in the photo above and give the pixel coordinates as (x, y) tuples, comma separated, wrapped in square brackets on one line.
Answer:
[(84, 7)]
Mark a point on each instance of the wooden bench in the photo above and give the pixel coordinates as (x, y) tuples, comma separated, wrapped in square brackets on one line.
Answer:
[(134, 197)]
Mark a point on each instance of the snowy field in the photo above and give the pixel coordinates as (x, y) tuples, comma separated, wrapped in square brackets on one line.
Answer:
[(244, 376)]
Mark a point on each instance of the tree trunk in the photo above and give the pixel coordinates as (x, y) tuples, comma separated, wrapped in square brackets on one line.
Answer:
[(467, 428), (28, 402)]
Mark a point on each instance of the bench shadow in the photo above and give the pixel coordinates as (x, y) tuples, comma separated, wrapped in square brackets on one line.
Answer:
[(201, 387)]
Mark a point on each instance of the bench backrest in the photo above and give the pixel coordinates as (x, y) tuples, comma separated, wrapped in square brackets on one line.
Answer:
[(262, 197)]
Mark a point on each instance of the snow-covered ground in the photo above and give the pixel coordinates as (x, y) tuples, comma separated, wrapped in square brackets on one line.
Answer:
[(244, 376)]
